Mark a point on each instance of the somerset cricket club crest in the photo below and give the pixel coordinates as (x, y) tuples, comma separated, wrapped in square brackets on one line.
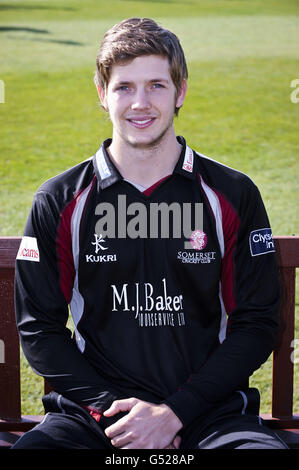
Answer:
[(198, 239)]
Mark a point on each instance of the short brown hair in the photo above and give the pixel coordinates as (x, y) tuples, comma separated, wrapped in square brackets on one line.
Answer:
[(134, 37)]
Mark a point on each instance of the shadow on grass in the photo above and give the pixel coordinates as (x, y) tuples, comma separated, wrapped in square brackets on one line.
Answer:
[(5, 29), (7, 6)]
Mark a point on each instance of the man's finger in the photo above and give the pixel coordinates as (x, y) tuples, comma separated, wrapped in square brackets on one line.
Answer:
[(176, 442), (120, 405), (115, 429), (121, 440)]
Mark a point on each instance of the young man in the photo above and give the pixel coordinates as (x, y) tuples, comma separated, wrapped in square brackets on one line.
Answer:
[(169, 324)]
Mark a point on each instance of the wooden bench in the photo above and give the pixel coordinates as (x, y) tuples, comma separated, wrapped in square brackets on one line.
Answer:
[(282, 418)]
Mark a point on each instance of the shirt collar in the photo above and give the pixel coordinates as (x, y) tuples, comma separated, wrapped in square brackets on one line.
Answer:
[(105, 170), (108, 174), (186, 162)]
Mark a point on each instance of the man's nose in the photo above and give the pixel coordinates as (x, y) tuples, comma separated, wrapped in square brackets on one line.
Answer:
[(141, 100)]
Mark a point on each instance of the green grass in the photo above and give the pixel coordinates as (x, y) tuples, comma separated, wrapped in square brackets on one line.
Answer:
[(242, 57)]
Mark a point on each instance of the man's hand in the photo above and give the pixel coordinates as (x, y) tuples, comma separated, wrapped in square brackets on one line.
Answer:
[(146, 426)]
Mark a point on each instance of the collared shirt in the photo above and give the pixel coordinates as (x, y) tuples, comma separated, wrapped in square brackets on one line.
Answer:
[(173, 291)]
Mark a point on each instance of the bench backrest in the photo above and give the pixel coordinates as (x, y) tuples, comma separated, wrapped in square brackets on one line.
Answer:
[(287, 251), (10, 398), (287, 254)]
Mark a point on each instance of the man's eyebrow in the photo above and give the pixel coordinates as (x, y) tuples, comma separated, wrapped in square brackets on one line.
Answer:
[(159, 80), (123, 82), (152, 80)]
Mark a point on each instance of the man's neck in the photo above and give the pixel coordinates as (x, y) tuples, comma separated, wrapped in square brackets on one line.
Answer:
[(145, 166)]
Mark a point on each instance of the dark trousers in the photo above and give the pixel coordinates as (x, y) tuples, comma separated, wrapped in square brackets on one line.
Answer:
[(233, 425)]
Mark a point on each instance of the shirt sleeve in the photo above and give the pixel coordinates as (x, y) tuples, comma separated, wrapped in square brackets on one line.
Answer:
[(252, 321), (42, 313)]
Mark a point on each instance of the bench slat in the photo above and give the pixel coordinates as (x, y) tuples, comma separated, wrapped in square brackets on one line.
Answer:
[(8, 251), (10, 398), (287, 251), (283, 366)]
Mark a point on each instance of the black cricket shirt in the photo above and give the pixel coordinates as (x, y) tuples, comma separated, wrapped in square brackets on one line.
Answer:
[(177, 317)]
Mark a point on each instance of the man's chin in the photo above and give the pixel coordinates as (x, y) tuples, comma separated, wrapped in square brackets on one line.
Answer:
[(146, 144), (143, 145)]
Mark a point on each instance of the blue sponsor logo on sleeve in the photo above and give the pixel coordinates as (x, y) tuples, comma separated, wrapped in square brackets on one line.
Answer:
[(261, 242)]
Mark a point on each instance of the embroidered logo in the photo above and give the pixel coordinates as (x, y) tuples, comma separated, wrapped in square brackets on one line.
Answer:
[(261, 242), (98, 243), (188, 160), (28, 249), (195, 257), (198, 239)]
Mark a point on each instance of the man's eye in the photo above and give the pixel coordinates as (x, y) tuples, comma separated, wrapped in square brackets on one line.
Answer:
[(158, 85), (123, 88)]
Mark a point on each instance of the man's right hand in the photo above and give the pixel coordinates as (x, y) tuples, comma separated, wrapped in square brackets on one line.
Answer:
[(146, 426)]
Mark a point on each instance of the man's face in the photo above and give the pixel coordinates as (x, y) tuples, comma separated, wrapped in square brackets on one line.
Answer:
[(141, 100)]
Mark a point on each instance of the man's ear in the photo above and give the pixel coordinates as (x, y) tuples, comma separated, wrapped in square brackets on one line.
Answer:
[(102, 96), (182, 94)]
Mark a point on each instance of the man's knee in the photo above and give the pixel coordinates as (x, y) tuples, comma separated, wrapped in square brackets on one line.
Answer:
[(35, 439)]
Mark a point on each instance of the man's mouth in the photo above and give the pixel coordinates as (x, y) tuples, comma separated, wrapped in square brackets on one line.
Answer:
[(141, 123)]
